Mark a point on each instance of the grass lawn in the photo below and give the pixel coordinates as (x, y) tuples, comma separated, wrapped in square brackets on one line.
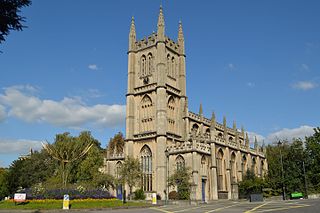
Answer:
[(75, 204)]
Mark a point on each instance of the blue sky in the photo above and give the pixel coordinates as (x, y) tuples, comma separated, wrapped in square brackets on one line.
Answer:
[(256, 62)]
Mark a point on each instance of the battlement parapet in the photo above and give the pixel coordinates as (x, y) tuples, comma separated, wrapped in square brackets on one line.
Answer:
[(171, 44), (146, 42), (116, 156), (189, 147)]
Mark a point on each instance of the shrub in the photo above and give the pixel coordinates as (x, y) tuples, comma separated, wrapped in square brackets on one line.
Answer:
[(181, 178), (250, 185), (73, 193), (139, 194), (173, 195), (183, 191)]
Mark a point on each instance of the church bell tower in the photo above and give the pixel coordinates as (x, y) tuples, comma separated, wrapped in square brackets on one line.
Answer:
[(156, 98)]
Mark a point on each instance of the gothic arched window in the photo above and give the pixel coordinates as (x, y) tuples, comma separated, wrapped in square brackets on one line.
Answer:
[(233, 168), (243, 166), (262, 168), (194, 129), (220, 169), (146, 114), (171, 115), (173, 68), (143, 66), (254, 166), (180, 162), (168, 65), (204, 165), (203, 160), (146, 168), (150, 64), (208, 133), (118, 167)]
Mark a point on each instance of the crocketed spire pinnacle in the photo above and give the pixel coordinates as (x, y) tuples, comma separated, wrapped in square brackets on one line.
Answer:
[(213, 120), (161, 25), (132, 28), (255, 142), (180, 33), (132, 35), (181, 38), (200, 110)]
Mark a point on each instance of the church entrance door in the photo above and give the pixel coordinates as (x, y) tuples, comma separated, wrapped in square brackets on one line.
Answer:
[(204, 190), (119, 192)]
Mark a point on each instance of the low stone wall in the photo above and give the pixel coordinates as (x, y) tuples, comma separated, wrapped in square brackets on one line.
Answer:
[(222, 195), (314, 196)]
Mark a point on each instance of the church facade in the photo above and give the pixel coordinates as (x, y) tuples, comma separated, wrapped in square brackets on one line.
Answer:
[(165, 135)]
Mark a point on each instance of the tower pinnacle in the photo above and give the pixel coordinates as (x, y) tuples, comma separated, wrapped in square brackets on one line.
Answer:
[(247, 140), (132, 35), (213, 121), (161, 25), (181, 38), (255, 142), (200, 110)]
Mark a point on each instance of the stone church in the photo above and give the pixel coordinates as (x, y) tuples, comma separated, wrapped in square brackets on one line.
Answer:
[(164, 135)]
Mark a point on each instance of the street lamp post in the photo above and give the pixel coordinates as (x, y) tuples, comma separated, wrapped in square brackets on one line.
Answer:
[(167, 175), (282, 173)]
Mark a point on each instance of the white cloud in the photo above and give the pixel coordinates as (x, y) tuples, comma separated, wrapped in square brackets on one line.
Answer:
[(289, 134), (313, 44), (304, 85), (251, 84), (283, 134), (69, 112), (20, 146), (3, 113), (252, 136), (305, 67), (92, 93), (231, 66), (93, 67)]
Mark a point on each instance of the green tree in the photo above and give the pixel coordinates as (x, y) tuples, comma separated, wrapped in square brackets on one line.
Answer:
[(274, 169), (9, 16), (88, 168), (251, 184), (42, 168), (4, 190), (293, 167), (67, 150), (274, 177), (182, 179), (130, 173), (116, 144), (294, 155), (35, 168), (313, 160), (104, 181)]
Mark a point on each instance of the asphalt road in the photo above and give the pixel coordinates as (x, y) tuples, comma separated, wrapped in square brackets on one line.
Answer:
[(305, 206), (295, 206)]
